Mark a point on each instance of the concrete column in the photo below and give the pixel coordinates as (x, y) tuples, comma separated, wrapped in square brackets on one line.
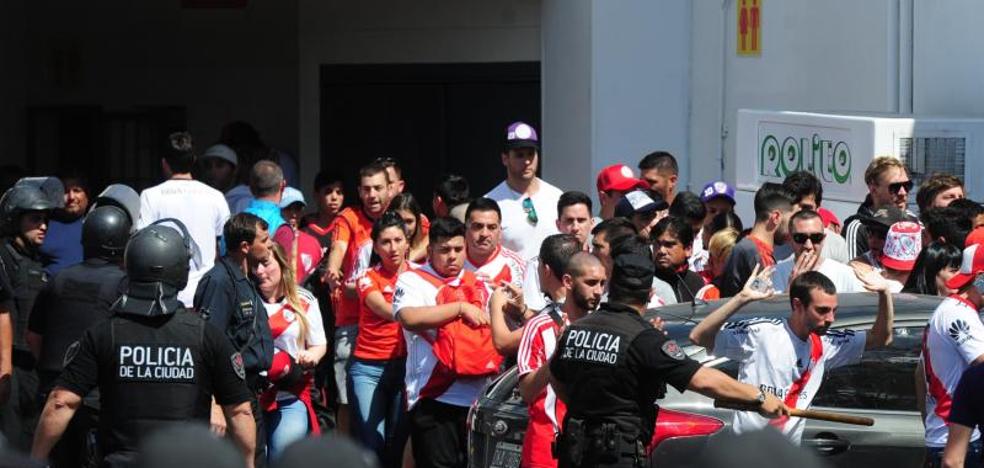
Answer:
[(616, 81)]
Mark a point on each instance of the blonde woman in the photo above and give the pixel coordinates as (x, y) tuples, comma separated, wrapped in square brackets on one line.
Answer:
[(299, 342), (718, 250)]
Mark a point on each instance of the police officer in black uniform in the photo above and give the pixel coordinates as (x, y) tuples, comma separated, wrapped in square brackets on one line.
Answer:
[(74, 300), (230, 301), (24, 210), (611, 366), (156, 364)]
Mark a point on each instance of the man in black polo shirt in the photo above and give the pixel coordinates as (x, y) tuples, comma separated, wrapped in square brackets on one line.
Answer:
[(227, 299)]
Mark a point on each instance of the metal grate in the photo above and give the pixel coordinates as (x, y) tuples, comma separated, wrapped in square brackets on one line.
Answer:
[(925, 156)]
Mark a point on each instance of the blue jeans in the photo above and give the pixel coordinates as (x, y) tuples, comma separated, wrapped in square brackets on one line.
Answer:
[(934, 456), (285, 425), (379, 419)]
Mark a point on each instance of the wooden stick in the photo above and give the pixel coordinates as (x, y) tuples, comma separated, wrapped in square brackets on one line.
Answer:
[(800, 413)]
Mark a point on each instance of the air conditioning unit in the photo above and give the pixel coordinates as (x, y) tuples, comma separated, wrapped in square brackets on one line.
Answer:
[(837, 148)]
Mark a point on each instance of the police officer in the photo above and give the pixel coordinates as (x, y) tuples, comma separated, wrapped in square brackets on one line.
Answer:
[(24, 211), (156, 364), (75, 299), (229, 300), (611, 366)]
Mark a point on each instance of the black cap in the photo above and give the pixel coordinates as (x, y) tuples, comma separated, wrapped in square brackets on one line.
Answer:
[(632, 272), (885, 217), (640, 201)]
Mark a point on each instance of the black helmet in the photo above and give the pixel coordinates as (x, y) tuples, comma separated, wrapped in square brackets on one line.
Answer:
[(122, 196), (105, 232), (19, 199), (157, 264)]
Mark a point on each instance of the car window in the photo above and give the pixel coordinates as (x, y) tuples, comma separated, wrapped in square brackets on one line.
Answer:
[(883, 380)]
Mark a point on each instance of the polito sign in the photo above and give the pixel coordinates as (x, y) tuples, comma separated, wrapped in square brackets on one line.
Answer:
[(786, 148), (771, 145)]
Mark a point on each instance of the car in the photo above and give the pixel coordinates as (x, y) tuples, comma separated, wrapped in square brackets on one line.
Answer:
[(881, 387)]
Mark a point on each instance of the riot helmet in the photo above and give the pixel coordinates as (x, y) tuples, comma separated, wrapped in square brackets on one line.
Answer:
[(105, 232), (157, 264), (20, 199), (122, 196)]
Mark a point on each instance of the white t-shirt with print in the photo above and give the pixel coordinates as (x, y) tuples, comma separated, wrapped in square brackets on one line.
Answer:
[(518, 233), (954, 339), (771, 357), (202, 209), (414, 291)]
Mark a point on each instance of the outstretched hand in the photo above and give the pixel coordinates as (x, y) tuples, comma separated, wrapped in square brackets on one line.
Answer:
[(759, 284), (871, 279)]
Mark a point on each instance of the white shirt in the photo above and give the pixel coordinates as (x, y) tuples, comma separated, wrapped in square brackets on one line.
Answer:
[(698, 254), (287, 341), (843, 277), (532, 294), (202, 209), (414, 291), (771, 357), (954, 339), (518, 233)]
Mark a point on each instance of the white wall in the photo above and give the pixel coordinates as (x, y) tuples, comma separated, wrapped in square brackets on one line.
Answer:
[(224, 64), (380, 31), (615, 85), (948, 66), (839, 55)]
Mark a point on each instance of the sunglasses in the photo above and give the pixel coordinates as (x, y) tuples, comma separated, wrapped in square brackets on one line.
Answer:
[(530, 211), (895, 187), (816, 237)]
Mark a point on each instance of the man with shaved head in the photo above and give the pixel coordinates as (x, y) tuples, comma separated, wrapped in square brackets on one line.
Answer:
[(584, 280)]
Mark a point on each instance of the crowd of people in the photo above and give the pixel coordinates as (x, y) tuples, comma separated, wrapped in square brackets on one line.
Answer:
[(369, 318)]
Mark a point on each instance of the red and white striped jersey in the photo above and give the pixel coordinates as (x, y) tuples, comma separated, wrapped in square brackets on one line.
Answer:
[(953, 339), (546, 413)]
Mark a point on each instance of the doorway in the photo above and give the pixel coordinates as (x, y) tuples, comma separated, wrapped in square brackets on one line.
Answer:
[(434, 118)]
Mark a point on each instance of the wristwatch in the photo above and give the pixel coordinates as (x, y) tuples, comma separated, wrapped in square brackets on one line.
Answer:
[(760, 399)]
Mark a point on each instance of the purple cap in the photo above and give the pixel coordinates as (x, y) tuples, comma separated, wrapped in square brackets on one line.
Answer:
[(717, 189), (521, 135)]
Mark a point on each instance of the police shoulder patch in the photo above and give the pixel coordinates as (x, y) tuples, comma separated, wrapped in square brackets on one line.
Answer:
[(672, 349), (238, 365), (70, 353)]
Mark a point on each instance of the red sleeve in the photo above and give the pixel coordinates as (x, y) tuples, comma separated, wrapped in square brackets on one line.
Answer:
[(342, 229), (531, 350), (285, 237), (366, 284)]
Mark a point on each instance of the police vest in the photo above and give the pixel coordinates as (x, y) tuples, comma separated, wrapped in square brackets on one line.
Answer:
[(603, 386), (156, 376), (24, 277)]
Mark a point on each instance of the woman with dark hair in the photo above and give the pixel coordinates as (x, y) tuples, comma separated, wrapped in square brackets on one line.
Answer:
[(377, 369), (936, 264), (407, 207)]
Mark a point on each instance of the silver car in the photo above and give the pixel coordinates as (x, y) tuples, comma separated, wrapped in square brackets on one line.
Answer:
[(881, 386)]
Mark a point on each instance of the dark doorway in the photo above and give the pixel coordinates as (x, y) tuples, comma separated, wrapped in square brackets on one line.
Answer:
[(434, 118)]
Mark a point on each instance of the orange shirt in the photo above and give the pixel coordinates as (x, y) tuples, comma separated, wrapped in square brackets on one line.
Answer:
[(355, 228), (378, 339)]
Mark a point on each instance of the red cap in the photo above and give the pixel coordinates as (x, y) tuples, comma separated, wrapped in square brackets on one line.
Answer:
[(828, 217), (619, 177), (970, 267)]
